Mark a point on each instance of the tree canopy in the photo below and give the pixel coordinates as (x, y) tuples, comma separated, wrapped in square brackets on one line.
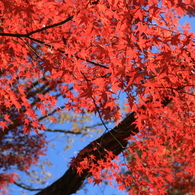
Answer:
[(84, 55)]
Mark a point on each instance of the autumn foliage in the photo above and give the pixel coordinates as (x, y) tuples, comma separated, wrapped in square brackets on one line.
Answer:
[(89, 53)]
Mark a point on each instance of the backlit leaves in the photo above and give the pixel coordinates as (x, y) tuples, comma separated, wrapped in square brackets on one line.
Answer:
[(90, 52)]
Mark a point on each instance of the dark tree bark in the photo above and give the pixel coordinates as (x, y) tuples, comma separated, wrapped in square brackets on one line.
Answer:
[(114, 140)]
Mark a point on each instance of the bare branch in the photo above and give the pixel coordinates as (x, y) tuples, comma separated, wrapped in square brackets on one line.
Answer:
[(62, 131), (26, 187), (73, 132)]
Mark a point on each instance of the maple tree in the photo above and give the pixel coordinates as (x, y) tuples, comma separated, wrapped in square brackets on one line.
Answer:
[(88, 53)]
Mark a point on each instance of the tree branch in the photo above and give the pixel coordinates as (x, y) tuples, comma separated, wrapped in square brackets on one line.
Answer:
[(51, 113), (51, 26), (27, 35), (63, 131), (72, 132), (24, 186), (61, 51), (114, 140)]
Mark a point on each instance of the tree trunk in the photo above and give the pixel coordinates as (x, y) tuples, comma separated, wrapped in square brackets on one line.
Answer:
[(113, 140)]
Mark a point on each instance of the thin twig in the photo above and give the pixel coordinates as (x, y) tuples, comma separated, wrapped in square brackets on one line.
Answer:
[(24, 186)]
